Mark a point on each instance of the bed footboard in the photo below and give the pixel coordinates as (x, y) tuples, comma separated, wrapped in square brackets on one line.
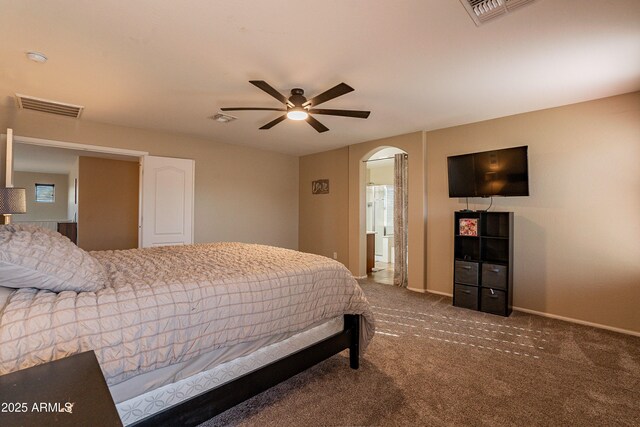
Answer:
[(213, 402)]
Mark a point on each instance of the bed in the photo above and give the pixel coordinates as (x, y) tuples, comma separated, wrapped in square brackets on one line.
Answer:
[(181, 333)]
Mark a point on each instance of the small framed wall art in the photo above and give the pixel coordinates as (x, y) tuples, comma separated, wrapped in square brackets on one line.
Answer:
[(320, 186), (468, 226)]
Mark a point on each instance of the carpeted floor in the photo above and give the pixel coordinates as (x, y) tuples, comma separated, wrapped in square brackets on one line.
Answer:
[(437, 365)]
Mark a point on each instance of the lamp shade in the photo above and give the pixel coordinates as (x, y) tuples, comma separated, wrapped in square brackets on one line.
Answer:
[(13, 201)]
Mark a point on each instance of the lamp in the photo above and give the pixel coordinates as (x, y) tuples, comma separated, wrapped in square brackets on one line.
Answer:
[(12, 201), (297, 113)]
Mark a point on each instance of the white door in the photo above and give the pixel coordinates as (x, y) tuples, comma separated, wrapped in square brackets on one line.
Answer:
[(167, 201)]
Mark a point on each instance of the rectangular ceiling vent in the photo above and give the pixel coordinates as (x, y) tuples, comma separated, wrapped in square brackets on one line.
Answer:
[(482, 11), (47, 106)]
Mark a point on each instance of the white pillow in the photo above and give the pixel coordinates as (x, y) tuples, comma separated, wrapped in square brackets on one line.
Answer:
[(33, 257)]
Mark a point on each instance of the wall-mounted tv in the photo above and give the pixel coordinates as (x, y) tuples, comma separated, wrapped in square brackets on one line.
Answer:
[(489, 173)]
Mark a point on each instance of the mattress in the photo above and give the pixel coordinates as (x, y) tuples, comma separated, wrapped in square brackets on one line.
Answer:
[(216, 370)]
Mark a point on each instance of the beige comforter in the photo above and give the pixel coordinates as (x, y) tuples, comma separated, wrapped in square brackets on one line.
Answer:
[(169, 304)]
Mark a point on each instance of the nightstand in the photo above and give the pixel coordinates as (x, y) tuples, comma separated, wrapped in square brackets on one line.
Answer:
[(43, 395), (70, 230)]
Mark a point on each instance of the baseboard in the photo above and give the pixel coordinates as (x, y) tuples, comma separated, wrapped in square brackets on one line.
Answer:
[(439, 293), (578, 321), (555, 316), (360, 277), (543, 314)]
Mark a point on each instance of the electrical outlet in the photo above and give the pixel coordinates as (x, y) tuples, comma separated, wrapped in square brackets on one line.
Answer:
[(335, 255)]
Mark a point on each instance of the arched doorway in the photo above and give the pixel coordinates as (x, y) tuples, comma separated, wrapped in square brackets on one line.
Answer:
[(385, 212), (414, 144)]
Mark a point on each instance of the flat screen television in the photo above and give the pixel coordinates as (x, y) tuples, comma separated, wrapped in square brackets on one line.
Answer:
[(489, 173)]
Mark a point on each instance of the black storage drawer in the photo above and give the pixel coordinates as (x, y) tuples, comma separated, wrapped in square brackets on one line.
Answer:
[(493, 301), (465, 296), (466, 272), (494, 276)]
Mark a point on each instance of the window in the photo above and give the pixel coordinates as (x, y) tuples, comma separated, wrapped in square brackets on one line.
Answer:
[(45, 193)]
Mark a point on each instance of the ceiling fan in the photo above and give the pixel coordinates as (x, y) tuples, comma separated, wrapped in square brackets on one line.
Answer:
[(298, 107)]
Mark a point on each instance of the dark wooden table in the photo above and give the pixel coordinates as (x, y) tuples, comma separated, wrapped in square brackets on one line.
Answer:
[(44, 394), (69, 229), (371, 251)]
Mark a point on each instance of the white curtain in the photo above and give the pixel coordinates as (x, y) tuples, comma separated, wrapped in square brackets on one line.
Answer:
[(400, 221)]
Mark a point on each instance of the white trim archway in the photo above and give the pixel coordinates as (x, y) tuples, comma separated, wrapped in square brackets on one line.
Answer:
[(414, 144), (381, 154)]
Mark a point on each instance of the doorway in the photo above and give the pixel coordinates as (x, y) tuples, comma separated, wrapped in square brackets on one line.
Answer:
[(41, 156), (380, 200), (172, 180), (91, 198)]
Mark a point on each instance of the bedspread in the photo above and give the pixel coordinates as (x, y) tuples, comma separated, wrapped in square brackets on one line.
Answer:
[(169, 304)]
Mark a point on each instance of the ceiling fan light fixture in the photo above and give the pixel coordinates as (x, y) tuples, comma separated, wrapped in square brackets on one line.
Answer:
[(298, 107), (297, 113)]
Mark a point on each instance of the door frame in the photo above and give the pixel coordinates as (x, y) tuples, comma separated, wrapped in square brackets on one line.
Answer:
[(10, 139)]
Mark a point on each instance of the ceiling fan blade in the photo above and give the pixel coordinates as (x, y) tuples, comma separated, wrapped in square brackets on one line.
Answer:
[(316, 124), (251, 109), (334, 92), (261, 84), (272, 123), (345, 113)]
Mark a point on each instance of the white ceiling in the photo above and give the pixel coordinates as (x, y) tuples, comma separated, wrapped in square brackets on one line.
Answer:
[(416, 64)]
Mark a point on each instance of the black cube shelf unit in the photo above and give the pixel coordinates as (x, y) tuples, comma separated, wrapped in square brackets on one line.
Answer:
[(483, 263)]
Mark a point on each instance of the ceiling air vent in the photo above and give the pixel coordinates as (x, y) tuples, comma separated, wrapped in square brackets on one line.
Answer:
[(484, 10), (223, 118), (47, 106)]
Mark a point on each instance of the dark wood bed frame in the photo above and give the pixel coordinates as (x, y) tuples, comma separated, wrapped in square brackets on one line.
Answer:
[(200, 408)]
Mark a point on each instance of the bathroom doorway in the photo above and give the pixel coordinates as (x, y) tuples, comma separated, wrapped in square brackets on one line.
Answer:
[(380, 207), (380, 226)]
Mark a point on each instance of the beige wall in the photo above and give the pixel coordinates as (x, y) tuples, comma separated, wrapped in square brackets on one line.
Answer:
[(380, 173), (414, 145), (56, 211), (577, 237), (324, 218), (107, 204), (241, 193), (338, 222)]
